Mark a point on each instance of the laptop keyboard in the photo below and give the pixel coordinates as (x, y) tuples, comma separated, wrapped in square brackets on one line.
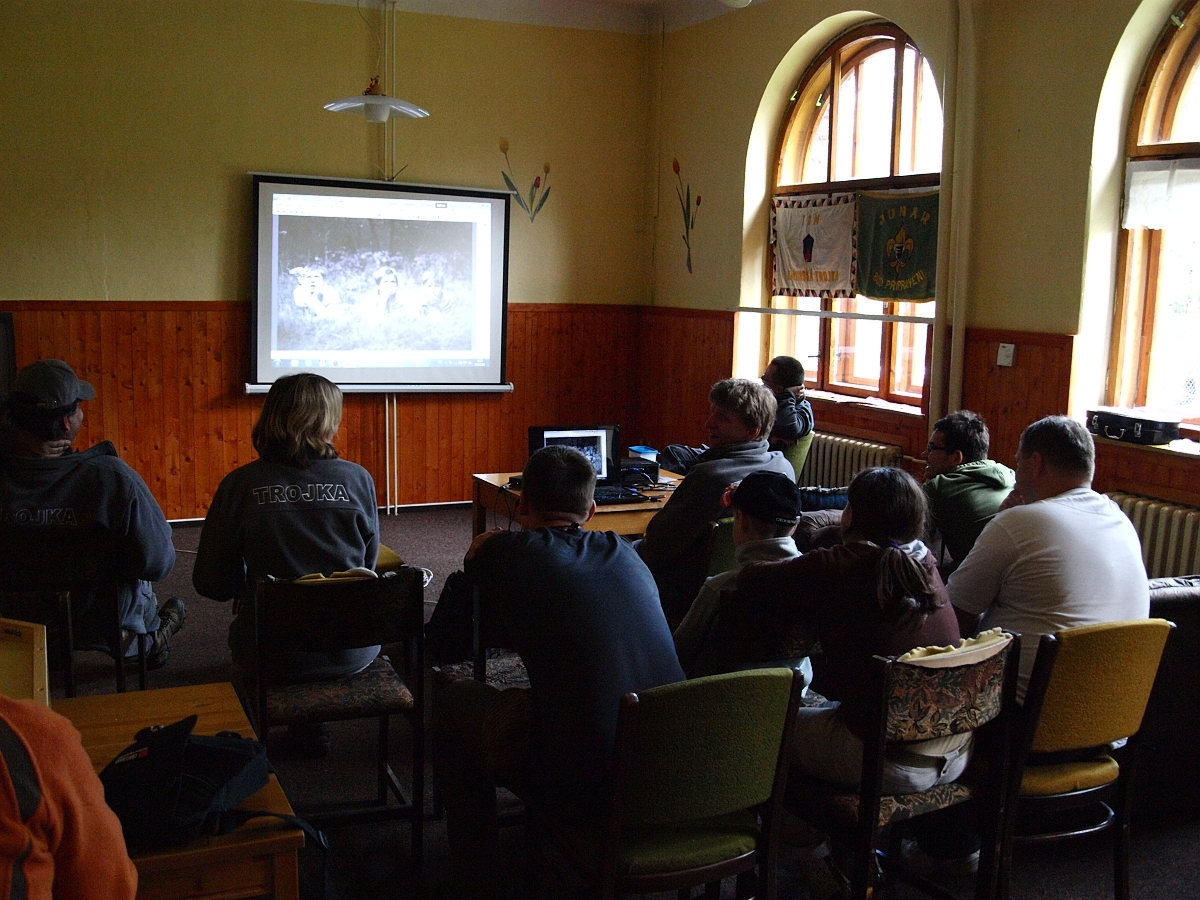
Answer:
[(608, 495)]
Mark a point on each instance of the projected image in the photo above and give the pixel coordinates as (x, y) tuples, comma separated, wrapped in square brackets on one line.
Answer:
[(352, 284), (377, 284), (590, 444)]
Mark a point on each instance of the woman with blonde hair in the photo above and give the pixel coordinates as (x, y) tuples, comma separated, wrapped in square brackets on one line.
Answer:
[(294, 511)]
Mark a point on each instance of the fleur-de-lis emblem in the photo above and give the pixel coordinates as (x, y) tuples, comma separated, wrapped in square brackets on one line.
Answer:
[(897, 248)]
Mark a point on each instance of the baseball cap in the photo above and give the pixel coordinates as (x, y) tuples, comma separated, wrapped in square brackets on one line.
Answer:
[(51, 384), (769, 496)]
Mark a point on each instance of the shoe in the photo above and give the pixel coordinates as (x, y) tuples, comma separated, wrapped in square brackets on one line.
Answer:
[(924, 864), (171, 616), (426, 575)]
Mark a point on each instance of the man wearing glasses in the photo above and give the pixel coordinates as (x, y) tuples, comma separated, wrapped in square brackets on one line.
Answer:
[(964, 487)]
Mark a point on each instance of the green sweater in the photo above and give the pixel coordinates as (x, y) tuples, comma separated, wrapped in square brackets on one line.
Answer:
[(964, 500)]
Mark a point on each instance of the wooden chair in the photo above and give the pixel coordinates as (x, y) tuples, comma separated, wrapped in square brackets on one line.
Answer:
[(39, 573), (24, 671), (938, 695), (339, 614), (700, 771), (1089, 687)]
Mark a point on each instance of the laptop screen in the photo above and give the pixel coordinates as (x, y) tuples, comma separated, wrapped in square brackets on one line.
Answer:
[(601, 444)]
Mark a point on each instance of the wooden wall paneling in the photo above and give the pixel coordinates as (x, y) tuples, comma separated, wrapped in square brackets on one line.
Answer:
[(681, 353), (1010, 397), (201, 435), (178, 421), (170, 376), (122, 385), (186, 457), (1149, 471)]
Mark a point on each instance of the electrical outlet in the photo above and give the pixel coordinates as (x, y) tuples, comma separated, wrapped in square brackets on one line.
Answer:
[(1005, 355)]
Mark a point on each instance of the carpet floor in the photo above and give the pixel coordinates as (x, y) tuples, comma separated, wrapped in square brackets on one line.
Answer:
[(372, 861)]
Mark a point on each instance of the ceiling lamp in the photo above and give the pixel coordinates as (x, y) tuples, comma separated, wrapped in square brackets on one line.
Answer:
[(376, 105), (736, 4)]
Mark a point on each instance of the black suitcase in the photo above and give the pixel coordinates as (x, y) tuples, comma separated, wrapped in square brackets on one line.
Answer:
[(1139, 425)]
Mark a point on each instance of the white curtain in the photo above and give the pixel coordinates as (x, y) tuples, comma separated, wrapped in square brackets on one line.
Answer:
[(1162, 194)]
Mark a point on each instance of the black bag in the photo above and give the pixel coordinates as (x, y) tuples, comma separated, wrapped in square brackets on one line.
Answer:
[(1138, 425), (171, 786), (817, 498)]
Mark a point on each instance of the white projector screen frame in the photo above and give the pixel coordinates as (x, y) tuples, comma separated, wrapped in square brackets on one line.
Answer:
[(380, 287)]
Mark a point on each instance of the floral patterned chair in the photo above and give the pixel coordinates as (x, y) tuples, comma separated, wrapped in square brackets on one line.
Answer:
[(928, 693)]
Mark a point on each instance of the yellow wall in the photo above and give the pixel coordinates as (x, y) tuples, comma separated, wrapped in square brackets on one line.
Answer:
[(127, 129), (1029, 110), (1041, 68)]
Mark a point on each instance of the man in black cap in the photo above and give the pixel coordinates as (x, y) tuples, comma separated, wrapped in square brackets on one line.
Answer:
[(766, 508), (45, 487)]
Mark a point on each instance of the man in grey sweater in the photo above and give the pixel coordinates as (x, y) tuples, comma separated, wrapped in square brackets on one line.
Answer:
[(48, 489), (675, 547)]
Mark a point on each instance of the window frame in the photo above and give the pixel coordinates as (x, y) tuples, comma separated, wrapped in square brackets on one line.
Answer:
[(873, 38), (1175, 59)]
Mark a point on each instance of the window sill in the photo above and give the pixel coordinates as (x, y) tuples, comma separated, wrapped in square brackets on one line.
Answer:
[(1186, 446), (872, 402)]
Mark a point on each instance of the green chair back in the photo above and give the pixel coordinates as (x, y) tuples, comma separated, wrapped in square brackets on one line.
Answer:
[(722, 554), (701, 748), (797, 454)]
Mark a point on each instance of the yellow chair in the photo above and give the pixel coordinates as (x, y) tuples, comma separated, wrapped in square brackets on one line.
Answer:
[(24, 671), (1089, 687)]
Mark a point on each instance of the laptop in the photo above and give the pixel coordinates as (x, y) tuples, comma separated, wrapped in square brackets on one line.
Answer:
[(601, 444)]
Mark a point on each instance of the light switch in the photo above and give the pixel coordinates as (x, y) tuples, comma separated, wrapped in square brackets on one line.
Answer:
[(1005, 356)]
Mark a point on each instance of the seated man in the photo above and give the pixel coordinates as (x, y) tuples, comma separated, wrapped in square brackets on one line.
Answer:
[(964, 487), (1068, 556), (46, 487), (765, 509), (793, 412), (582, 611), (793, 416), (57, 836), (676, 543)]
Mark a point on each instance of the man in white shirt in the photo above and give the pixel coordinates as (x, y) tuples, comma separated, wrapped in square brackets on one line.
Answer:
[(1057, 555)]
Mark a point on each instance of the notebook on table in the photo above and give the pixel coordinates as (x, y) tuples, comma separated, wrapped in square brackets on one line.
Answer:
[(601, 444)]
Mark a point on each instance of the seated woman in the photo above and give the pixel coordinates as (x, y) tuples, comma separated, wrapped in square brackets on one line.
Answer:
[(878, 593), (297, 510)]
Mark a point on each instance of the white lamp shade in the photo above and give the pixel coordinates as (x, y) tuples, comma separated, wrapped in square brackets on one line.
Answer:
[(377, 107)]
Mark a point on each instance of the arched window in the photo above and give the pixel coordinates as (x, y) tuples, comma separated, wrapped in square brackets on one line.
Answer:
[(1154, 357), (865, 116)]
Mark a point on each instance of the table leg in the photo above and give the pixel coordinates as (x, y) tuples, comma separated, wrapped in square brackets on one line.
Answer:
[(479, 513)]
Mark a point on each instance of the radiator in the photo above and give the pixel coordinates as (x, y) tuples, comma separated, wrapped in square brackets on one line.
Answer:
[(1169, 532), (834, 459)]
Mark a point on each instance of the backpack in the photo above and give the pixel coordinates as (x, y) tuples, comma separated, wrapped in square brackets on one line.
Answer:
[(171, 786)]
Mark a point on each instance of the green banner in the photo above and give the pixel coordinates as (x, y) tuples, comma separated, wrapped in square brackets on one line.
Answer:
[(897, 246)]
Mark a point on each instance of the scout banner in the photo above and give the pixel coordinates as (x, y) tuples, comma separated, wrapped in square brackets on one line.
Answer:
[(814, 246), (897, 245)]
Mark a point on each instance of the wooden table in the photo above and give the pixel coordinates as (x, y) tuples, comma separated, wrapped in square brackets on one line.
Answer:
[(491, 495), (256, 860)]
